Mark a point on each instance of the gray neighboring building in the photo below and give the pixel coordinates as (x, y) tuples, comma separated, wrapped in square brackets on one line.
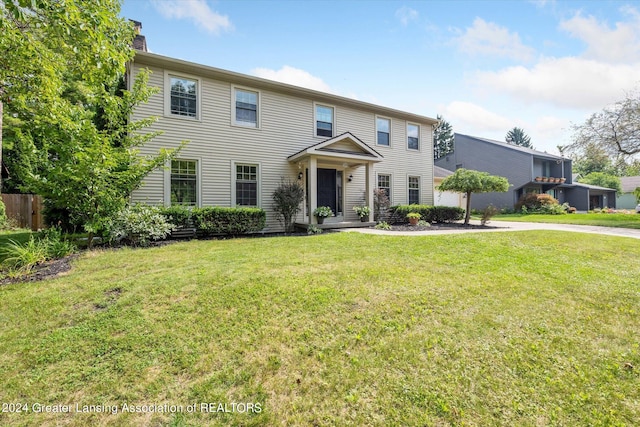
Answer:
[(627, 200), (528, 171)]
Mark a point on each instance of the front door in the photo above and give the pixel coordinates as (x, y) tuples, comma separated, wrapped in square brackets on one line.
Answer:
[(594, 202), (327, 189)]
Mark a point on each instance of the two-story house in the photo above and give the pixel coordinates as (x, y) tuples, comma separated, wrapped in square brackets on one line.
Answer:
[(246, 134), (528, 171)]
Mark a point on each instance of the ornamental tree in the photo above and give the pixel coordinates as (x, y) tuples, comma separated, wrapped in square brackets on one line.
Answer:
[(469, 181)]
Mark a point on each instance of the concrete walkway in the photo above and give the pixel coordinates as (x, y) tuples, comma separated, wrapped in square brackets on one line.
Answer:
[(498, 226)]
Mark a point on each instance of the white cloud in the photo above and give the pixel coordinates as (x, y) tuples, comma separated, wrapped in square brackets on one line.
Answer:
[(405, 15), (197, 11), (473, 118), (566, 82), (614, 45), (293, 76), (488, 38)]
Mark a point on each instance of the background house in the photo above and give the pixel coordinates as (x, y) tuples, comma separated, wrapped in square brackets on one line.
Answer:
[(626, 199), (528, 171), (246, 134), (445, 198)]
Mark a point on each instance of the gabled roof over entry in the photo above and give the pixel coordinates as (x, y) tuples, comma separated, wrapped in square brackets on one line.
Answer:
[(345, 146)]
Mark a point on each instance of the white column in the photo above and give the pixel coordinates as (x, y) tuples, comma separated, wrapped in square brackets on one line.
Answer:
[(313, 189), (368, 197)]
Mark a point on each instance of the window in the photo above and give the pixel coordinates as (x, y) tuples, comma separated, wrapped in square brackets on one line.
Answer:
[(414, 190), (383, 127), (246, 185), (324, 121), (246, 108), (384, 183), (184, 182), (183, 97), (413, 137)]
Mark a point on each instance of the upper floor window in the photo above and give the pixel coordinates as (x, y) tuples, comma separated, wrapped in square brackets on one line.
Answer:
[(246, 108), (383, 128), (183, 96), (413, 137), (324, 121), (414, 190)]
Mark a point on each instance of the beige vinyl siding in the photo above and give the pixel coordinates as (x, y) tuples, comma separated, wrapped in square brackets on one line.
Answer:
[(286, 127)]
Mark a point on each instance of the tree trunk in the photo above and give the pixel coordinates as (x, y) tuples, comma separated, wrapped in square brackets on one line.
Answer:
[(467, 214), (0, 144)]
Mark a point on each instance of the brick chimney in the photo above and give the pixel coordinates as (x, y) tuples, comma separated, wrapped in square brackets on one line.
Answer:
[(139, 41)]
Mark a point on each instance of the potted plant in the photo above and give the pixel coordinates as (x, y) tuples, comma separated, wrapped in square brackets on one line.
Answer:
[(538, 178), (322, 212), (362, 212), (413, 218), (562, 180), (545, 179)]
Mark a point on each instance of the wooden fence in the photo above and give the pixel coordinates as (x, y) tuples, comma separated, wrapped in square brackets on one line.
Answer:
[(25, 210)]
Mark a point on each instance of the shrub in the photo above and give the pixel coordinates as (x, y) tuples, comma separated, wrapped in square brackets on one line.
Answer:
[(46, 245), (178, 215), (413, 215), (314, 230), (423, 223), (399, 213), (22, 257), (228, 221), (442, 214), (139, 224), (534, 202), (287, 200), (383, 225), (488, 213), (428, 213)]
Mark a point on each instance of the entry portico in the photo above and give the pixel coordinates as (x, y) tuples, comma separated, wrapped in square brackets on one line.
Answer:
[(325, 167)]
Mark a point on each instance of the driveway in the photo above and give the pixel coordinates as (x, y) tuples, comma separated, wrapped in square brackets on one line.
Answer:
[(500, 226)]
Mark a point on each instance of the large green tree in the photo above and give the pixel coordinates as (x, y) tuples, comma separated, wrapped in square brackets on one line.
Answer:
[(602, 179), (616, 129), (518, 136), (443, 138), (469, 181), (61, 82)]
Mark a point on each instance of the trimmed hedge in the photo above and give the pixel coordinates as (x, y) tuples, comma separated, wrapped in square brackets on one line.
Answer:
[(428, 213), (232, 221), (180, 216)]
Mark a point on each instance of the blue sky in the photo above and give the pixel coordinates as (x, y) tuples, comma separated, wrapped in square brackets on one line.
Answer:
[(486, 66)]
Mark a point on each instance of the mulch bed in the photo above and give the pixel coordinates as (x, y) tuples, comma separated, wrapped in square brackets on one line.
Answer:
[(43, 271)]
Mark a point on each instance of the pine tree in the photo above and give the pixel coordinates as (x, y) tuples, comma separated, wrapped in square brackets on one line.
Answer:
[(442, 139), (517, 136)]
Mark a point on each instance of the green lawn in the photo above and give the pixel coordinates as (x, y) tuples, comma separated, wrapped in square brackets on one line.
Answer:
[(607, 220), (483, 329)]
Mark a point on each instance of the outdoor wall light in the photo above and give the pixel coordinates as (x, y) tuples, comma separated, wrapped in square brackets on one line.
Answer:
[(300, 175), (350, 177)]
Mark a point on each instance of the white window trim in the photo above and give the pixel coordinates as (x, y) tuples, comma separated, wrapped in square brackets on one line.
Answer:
[(234, 163), (167, 180), (390, 131), (390, 175), (406, 138), (315, 121), (167, 95), (258, 106), (420, 198)]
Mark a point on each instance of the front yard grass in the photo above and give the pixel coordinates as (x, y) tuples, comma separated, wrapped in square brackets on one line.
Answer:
[(528, 328), (619, 220)]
